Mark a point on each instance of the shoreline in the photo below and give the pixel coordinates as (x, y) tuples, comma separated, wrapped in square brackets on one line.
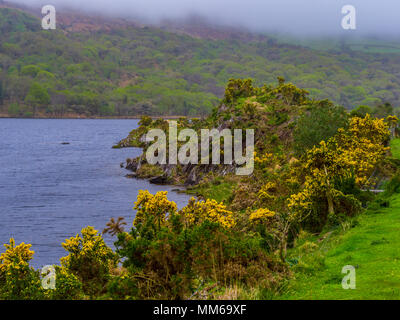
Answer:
[(76, 117)]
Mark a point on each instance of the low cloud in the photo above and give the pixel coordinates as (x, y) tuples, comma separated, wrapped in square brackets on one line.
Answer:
[(305, 17)]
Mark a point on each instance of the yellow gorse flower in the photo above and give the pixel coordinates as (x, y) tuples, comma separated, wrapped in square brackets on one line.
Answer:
[(265, 192), (15, 257), (392, 119), (261, 215), (354, 152), (89, 246), (264, 159), (156, 205), (199, 211)]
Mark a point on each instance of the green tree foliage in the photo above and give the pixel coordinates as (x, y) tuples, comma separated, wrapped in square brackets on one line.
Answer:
[(14, 110), (361, 111), (383, 110), (37, 96), (318, 123), (135, 71)]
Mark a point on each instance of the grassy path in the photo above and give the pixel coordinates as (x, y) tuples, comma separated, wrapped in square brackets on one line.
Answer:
[(372, 246)]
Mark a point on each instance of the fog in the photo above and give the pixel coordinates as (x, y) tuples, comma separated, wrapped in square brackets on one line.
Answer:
[(301, 17)]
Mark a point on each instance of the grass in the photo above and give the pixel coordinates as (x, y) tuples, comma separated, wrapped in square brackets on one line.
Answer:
[(217, 189), (395, 147), (370, 244), (367, 45), (372, 247)]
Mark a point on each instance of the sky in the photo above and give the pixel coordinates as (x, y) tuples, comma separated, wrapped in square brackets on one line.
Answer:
[(305, 17)]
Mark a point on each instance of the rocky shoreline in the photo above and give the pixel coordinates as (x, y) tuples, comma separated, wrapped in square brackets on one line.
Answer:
[(82, 116), (181, 175)]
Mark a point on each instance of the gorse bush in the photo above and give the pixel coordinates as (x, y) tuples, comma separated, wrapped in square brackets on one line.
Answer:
[(20, 281), (197, 242), (17, 279), (89, 259), (350, 155), (68, 285)]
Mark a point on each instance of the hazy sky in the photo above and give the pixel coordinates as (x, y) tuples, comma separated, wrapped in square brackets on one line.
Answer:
[(295, 16)]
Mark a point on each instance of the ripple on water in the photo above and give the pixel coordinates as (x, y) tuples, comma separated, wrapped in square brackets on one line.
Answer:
[(49, 191)]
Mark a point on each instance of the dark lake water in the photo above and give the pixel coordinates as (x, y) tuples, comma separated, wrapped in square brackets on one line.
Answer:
[(50, 191)]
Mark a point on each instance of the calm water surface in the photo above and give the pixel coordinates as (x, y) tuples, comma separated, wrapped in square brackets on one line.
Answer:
[(49, 191)]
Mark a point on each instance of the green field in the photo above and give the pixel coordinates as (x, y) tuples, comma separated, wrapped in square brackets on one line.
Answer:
[(366, 45), (370, 244)]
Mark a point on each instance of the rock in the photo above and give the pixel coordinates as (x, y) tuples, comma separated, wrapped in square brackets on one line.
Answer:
[(139, 162), (159, 180), (133, 165), (121, 164), (192, 178), (131, 176)]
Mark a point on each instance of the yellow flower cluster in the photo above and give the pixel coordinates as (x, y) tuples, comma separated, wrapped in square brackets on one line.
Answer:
[(392, 119), (376, 130), (15, 257), (266, 190), (264, 159), (156, 205), (262, 215), (354, 152), (90, 246), (301, 200), (198, 211)]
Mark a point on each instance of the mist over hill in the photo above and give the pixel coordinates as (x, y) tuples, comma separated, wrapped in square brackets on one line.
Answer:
[(301, 18), (97, 65)]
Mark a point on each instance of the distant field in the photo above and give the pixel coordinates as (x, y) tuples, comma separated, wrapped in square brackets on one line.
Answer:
[(358, 44)]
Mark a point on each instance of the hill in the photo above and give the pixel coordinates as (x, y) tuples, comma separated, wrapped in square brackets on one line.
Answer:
[(93, 66)]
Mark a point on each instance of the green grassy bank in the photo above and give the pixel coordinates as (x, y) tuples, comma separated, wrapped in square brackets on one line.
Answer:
[(370, 243)]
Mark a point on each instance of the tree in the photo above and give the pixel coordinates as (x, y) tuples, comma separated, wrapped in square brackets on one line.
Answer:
[(361, 111), (392, 121), (59, 101), (37, 96), (350, 156), (383, 110), (319, 123)]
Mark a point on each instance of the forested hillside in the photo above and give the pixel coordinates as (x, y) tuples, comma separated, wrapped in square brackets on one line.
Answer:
[(125, 69)]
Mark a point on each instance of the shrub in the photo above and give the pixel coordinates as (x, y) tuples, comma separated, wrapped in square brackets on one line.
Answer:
[(318, 124), (393, 186), (89, 259), (17, 279), (68, 286), (199, 242)]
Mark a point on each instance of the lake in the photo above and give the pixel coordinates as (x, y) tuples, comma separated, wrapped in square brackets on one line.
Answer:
[(49, 190)]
